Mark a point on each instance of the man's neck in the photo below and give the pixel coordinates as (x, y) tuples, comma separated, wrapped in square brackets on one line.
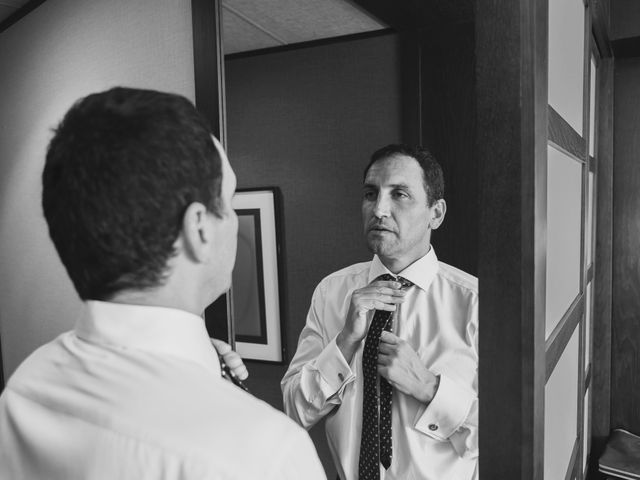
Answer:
[(157, 298), (397, 265)]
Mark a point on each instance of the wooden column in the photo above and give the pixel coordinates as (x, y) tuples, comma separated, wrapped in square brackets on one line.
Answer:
[(511, 144)]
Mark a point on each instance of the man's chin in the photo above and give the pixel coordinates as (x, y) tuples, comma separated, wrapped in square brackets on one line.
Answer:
[(378, 247)]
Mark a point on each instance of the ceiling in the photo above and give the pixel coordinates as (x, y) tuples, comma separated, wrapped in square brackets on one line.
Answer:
[(256, 24)]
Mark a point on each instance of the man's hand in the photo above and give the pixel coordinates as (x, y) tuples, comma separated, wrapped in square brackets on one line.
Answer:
[(400, 365), (379, 295), (231, 358)]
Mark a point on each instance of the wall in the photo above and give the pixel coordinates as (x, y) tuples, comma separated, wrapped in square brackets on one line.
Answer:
[(625, 324), (61, 51), (306, 120)]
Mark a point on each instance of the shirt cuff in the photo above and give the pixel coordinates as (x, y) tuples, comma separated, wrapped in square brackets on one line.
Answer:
[(447, 411), (333, 368)]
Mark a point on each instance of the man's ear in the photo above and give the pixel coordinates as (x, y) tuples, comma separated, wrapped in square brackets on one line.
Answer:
[(438, 211), (197, 232)]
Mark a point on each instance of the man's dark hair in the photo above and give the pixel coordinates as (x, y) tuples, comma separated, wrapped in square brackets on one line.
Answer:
[(431, 170), (120, 171)]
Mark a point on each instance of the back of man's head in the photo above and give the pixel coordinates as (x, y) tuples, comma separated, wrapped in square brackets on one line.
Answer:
[(120, 171)]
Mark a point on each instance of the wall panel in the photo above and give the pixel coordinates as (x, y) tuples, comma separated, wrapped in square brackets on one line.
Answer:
[(561, 412), (566, 53), (564, 181), (59, 52)]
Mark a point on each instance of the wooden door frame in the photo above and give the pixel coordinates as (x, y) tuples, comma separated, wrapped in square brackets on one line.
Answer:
[(511, 56)]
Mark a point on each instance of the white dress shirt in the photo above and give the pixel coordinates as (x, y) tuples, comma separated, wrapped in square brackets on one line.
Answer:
[(439, 319), (135, 392)]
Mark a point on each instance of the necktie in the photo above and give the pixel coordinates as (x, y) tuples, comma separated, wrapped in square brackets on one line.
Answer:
[(375, 443)]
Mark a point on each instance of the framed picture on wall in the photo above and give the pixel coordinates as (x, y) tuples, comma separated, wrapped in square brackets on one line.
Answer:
[(251, 310)]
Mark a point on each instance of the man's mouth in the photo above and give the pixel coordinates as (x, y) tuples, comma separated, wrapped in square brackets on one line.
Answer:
[(380, 228)]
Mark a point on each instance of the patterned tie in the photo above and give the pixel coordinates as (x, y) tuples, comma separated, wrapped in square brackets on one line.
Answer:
[(375, 443)]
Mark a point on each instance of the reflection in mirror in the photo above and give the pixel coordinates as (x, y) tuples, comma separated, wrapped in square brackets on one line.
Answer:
[(312, 90)]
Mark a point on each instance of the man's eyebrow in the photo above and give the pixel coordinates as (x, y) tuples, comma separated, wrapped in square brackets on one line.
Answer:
[(404, 186)]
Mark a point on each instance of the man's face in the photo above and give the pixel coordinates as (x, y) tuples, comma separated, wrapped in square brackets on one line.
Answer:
[(227, 226), (397, 217)]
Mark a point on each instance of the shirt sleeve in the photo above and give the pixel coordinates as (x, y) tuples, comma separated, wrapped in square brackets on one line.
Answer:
[(452, 415), (318, 374)]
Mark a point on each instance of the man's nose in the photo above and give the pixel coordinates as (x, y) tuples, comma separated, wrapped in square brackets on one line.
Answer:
[(382, 206)]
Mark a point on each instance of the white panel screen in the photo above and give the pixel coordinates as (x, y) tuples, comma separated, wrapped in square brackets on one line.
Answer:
[(564, 192), (561, 412), (592, 109), (566, 55)]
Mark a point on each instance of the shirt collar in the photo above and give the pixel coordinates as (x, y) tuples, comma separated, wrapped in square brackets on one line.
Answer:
[(159, 330), (421, 272)]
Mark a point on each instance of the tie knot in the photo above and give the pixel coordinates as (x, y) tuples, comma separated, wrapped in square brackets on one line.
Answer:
[(403, 281)]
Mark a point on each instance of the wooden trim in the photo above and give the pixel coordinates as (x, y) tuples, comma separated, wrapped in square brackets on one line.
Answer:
[(511, 145), (407, 15), (20, 13), (562, 333), (574, 465), (626, 47), (584, 262), (602, 293), (587, 380), (309, 44), (592, 160), (564, 137), (1, 367), (589, 274), (209, 64), (600, 28)]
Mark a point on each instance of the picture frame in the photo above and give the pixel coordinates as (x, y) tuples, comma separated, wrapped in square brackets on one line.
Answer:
[(250, 315)]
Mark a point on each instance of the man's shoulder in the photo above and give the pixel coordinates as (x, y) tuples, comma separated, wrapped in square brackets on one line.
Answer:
[(352, 271), (41, 358), (458, 278), (345, 279), (235, 421)]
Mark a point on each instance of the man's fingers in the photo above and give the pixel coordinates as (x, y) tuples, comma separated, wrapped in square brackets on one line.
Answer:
[(379, 305), (388, 337), (221, 347), (384, 359), (387, 283), (234, 362), (231, 358), (240, 371)]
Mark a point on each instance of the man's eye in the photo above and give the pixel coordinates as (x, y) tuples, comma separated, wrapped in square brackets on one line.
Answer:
[(369, 195), (400, 194)]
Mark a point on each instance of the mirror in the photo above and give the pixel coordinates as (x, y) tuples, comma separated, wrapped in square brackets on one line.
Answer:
[(311, 90)]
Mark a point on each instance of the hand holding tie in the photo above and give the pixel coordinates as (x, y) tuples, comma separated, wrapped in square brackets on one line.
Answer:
[(401, 366), (382, 295)]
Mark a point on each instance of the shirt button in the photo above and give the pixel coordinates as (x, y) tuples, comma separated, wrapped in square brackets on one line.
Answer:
[(433, 427), (341, 377)]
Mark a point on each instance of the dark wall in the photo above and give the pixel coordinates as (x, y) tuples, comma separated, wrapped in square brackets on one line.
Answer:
[(449, 128), (625, 348), (306, 121), (625, 19)]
